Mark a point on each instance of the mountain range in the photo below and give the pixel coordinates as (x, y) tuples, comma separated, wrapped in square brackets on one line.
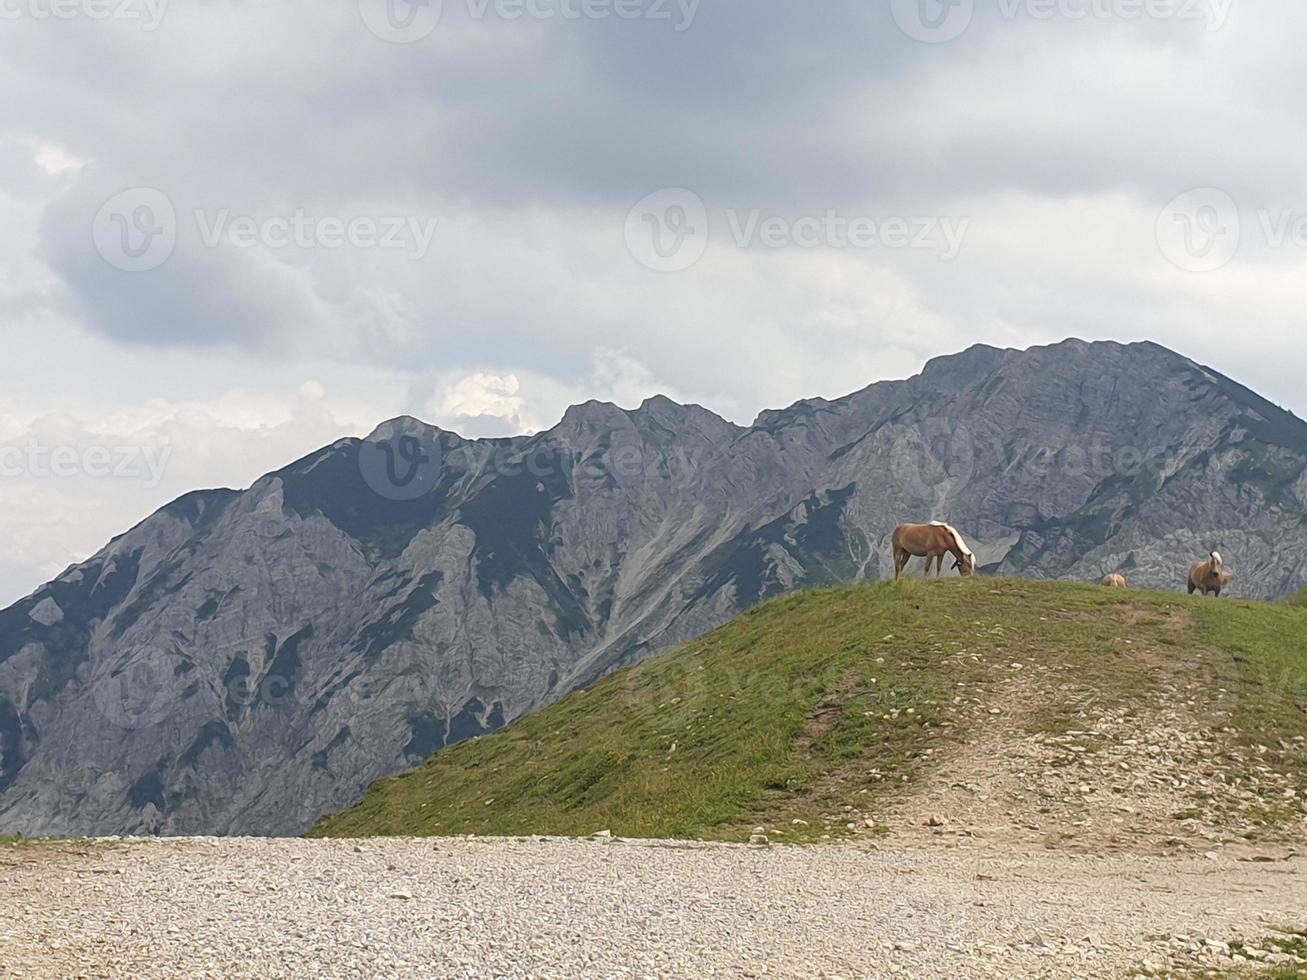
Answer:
[(242, 662)]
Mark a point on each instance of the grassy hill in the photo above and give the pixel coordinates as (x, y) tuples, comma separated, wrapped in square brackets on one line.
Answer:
[(1072, 710)]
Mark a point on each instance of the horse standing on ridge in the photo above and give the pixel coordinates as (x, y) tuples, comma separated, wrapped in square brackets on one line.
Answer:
[(1114, 581), (933, 541), (1209, 576)]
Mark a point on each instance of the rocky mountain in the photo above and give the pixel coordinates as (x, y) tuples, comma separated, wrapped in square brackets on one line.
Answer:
[(242, 662)]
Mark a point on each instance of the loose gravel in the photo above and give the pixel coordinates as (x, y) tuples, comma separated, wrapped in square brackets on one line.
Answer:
[(611, 908)]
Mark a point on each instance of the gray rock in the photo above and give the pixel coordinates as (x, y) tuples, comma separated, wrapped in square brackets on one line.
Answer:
[(47, 612)]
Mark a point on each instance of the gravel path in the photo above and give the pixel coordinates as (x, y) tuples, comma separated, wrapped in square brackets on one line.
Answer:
[(566, 908)]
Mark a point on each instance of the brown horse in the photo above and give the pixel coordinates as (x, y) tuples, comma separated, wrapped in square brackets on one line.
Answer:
[(1114, 581), (1209, 576), (933, 541)]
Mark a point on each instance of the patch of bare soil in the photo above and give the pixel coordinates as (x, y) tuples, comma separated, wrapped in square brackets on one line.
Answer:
[(1160, 776), (826, 718)]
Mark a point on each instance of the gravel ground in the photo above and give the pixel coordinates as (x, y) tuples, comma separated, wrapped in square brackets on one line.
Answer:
[(600, 908)]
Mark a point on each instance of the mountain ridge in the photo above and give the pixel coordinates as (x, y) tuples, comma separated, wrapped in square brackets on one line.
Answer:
[(242, 661), (405, 422)]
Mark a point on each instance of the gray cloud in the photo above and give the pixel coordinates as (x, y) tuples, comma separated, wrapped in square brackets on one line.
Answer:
[(528, 139), (1057, 141)]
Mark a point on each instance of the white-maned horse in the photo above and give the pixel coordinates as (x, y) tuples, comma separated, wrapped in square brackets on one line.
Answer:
[(1209, 576), (931, 541)]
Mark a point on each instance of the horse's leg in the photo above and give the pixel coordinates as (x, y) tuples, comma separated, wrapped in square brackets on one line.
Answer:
[(900, 560)]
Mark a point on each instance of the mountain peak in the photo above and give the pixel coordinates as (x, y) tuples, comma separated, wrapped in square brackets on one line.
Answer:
[(975, 361), (661, 403), (406, 425), (665, 409), (594, 414)]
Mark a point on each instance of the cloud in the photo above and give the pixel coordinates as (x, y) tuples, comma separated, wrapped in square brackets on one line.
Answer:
[(527, 140), (50, 158), (484, 404), (522, 145), (75, 477)]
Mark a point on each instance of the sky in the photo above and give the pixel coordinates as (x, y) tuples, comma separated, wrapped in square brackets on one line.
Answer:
[(232, 232)]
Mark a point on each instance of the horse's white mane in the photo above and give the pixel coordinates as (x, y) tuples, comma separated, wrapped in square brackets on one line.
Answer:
[(962, 545), (1216, 559)]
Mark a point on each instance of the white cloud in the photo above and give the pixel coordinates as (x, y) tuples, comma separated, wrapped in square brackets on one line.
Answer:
[(52, 158), (75, 471), (472, 402)]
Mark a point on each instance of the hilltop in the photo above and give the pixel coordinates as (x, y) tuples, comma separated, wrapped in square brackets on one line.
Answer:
[(978, 712)]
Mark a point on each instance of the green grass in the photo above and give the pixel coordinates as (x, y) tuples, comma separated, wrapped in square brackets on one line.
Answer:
[(1299, 598), (836, 697), (20, 840), (1288, 941), (1265, 664)]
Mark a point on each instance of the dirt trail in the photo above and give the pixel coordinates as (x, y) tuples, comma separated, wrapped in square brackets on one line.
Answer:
[(1032, 756), (1161, 777)]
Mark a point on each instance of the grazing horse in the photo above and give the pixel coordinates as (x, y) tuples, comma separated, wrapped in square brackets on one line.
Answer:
[(1209, 577), (1114, 581), (933, 541)]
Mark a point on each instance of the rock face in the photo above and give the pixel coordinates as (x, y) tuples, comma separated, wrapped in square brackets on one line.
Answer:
[(242, 662)]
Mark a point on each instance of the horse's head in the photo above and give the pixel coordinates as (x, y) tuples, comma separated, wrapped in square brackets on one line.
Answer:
[(965, 565)]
